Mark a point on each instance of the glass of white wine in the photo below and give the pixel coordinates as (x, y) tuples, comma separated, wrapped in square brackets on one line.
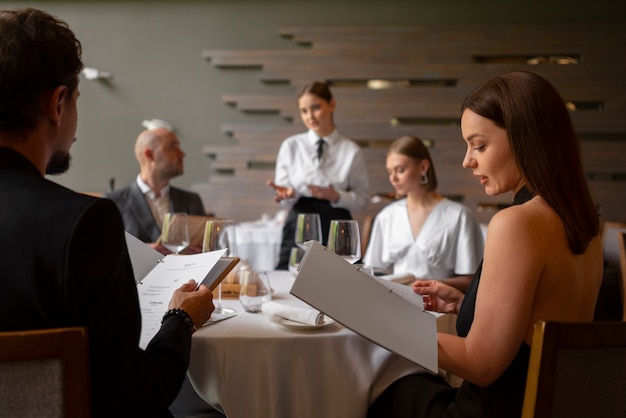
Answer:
[(344, 239), (175, 232), (219, 234)]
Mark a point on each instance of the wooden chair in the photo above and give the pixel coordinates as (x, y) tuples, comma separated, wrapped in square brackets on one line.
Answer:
[(610, 306), (366, 220), (366, 231), (610, 243), (622, 260), (577, 370), (196, 225), (45, 373)]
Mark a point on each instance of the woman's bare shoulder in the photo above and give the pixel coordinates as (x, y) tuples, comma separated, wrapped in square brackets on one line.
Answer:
[(531, 218)]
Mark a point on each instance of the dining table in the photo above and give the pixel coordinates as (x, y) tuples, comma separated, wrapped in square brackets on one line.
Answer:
[(251, 365)]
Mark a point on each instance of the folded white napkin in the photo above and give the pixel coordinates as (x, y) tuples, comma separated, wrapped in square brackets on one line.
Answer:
[(307, 316)]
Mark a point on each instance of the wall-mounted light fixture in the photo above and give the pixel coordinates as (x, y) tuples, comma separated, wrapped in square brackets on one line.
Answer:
[(389, 83), (157, 123), (91, 73)]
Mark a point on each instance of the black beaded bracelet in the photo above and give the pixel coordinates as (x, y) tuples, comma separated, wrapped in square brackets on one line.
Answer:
[(183, 314)]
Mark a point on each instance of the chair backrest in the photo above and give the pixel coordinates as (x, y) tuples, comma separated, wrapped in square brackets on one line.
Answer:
[(366, 231), (45, 373), (622, 259), (610, 243), (576, 370)]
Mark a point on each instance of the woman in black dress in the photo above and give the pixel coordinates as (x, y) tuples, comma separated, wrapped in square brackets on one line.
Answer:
[(542, 260)]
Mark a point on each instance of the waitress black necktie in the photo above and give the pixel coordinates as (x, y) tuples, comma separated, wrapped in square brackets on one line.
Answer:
[(320, 149)]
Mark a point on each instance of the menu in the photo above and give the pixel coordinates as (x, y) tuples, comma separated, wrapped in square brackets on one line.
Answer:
[(387, 313), (167, 273)]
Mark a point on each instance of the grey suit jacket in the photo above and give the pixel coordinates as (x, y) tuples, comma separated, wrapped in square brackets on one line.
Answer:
[(138, 218)]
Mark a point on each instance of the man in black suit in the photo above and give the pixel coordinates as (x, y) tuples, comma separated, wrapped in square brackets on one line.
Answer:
[(144, 202), (64, 257)]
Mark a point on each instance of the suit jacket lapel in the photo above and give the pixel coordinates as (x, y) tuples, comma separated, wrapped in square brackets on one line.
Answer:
[(143, 214), (177, 200)]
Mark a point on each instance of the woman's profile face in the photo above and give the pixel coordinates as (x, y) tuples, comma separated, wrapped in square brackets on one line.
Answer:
[(317, 113), (489, 154)]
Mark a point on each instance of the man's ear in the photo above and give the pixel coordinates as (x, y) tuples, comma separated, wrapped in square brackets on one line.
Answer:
[(56, 103), (148, 154)]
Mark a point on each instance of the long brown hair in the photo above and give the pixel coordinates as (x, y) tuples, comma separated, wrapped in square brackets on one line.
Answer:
[(544, 145), (319, 89)]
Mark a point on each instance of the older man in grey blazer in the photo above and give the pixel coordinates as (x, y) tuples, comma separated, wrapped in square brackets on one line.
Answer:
[(144, 202)]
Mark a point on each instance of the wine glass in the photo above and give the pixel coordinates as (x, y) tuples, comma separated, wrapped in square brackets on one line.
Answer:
[(295, 256), (219, 234), (308, 227), (344, 239), (175, 232)]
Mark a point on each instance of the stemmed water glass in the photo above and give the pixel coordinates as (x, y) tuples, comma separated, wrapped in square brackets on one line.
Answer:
[(295, 256), (175, 232), (308, 227), (219, 234), (344, 239)]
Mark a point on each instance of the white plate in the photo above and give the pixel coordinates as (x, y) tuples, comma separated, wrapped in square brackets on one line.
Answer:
[(299, 326)]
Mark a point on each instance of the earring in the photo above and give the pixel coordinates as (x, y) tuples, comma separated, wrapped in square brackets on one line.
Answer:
[(424, 179)]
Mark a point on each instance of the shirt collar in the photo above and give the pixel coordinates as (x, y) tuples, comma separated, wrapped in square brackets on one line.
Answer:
[(330, 138), (145, 189)]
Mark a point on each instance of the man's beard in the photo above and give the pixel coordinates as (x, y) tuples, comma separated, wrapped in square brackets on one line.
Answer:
[(174, 172), (59, 163)]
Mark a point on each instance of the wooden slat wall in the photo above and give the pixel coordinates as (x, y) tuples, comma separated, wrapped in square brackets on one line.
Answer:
[(420, 52)]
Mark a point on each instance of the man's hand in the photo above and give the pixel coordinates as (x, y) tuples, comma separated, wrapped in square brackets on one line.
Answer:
[(197, 303)]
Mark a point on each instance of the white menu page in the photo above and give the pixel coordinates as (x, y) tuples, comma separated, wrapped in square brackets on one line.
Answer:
[(164, 275)]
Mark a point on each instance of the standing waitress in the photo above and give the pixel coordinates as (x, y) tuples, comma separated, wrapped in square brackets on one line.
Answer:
[(318, 171)]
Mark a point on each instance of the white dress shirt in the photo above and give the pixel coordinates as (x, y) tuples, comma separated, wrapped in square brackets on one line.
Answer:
[(158, 205), (342, 165), (450, 242)]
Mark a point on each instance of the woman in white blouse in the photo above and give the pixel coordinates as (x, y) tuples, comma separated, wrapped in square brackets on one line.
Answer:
[(423, 235), (318, 171)]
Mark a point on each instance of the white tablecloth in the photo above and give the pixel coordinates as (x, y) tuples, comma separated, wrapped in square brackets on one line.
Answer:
[(258, 243), (249, 367)]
